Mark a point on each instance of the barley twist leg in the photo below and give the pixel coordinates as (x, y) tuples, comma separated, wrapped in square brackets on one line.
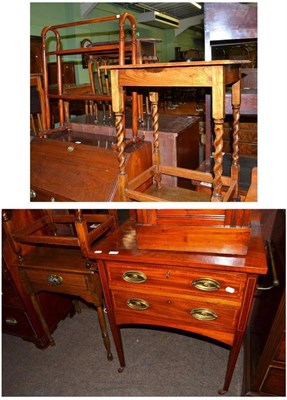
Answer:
[(120, 143), (218, 158), (155, 125), (235, 168)]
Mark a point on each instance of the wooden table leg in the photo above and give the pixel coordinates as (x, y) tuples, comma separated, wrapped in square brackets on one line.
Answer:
[(218, 114), (105, 335), (218, 159), (156, 154), (114, 327), (235, 167), (239, 335), (118, 108)]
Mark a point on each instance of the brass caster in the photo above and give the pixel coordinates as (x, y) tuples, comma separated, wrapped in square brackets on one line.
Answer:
[(110, 356), (52, 342), (120, 370), (222, 392)]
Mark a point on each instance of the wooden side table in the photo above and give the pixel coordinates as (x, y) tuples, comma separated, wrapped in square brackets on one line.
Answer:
[(203, 293), (62, 271), (58, 263), (212, 74)]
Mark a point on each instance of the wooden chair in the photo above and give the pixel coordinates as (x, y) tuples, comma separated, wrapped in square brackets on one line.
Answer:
[(100, 84)]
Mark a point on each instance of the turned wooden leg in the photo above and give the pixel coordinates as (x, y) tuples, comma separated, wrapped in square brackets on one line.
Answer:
[(235, 167), (156, 153), (218, 159), (105, 336), (38, 310), (122, 179), (36, 305)]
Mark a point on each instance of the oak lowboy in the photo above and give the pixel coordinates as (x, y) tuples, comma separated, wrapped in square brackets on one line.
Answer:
[(204, 293)]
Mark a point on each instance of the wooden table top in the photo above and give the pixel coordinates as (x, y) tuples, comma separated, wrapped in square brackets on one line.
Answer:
[(178, 64)]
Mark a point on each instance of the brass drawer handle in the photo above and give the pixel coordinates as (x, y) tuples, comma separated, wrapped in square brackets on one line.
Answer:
[(134, 277), (203, 314), (11, 321), (206, 284), (137, 304), (55, 280)]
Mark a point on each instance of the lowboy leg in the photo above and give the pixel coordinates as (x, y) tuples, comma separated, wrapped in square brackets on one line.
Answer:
[(241, 328)]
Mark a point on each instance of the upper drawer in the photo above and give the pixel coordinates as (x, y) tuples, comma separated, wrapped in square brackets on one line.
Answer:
[(177, 279), (55, 281)]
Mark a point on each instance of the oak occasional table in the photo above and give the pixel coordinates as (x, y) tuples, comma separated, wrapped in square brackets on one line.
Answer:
[(216, 74), (206, 294)]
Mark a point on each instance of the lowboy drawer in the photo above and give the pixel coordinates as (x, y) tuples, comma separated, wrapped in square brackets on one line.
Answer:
[(144, 307), (178, 279)]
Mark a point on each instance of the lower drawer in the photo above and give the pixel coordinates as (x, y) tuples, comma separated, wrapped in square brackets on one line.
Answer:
[(144, 307), (16, 322)]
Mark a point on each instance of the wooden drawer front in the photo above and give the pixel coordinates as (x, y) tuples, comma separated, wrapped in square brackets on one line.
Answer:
[(16, 322), (178, 280), (171, 307), (55, 281)]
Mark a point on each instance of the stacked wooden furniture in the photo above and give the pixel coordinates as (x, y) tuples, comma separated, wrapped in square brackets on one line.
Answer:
[(19, 318), (211, 74), (189, 276), (58, 263)]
